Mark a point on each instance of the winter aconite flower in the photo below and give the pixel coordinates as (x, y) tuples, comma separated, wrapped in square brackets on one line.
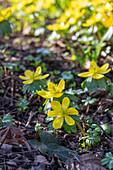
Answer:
[(95, 71), (6, 13), (61, 112), (31, 76), (54, 90)]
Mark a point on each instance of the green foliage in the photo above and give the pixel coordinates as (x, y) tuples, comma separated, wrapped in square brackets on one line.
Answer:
[(52, 144), (93, 134), (91, 84), (69, 129), (108, 160), (12, 66), (7, 119), (88, 100), (5, 27), (23, 104), (36, 85), (38, 127), (91, 138), (43, 52), (111, 89), (67, 75)]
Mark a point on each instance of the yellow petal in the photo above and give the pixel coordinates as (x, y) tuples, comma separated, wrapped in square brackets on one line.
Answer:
[(93, 67), (57, 95), (69, 120), (28, 73), (65, 103), (56, 106), (28, 81), (44, 94), (23, 77), (107, 71), (103, 68), (61, 85), (38, 71), (52, 114), (98, 76), (72, 111), (58, 122), (51, 87), (85, 74), (42, 77)]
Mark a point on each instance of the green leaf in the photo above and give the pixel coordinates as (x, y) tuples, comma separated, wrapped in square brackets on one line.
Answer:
[(5, 27), (76, 118), (67, 127), (91, 84), (109, 154), (62, 152), (36, 85), (49, 137), (106, 128), (111, 164), (70, 96), (111, 89), (7, 118), (105, 161)]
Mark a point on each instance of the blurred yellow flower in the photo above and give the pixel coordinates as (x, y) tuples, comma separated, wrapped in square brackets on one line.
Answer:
[(6, 13), (70, 16), (54, 90), (107, 20), (31, 76), (95, 71), (61, 112), (93, 19)]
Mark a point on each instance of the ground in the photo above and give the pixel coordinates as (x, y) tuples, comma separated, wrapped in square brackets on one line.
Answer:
[(21, 146)]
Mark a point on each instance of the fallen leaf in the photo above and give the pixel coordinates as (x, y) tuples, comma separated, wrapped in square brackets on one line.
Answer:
[(90, 162), (40, 159)]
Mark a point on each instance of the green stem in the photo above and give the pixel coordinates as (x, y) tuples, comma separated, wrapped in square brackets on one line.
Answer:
[(83, 132)]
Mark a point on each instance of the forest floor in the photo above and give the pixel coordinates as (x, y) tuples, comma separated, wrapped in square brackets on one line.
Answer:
[(21, 147)]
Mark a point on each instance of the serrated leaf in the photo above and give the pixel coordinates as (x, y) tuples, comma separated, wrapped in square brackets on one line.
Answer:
[(91, 84), (36, 85), (62, 152), (49, 137)]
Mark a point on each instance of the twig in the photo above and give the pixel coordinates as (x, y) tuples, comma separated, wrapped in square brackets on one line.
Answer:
[(77, 159), (4, 136), (31, 114), (105, 133), (33, 150), (27, 143)]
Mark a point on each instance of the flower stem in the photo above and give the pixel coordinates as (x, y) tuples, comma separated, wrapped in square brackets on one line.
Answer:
[(83, 132), (87, 108)]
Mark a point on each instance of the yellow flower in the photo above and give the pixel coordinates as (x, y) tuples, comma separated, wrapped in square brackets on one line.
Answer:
[(107, 20), (95, 71), (30, 76), (61, 112), (54, 90), (93, 19), (6, 13)]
